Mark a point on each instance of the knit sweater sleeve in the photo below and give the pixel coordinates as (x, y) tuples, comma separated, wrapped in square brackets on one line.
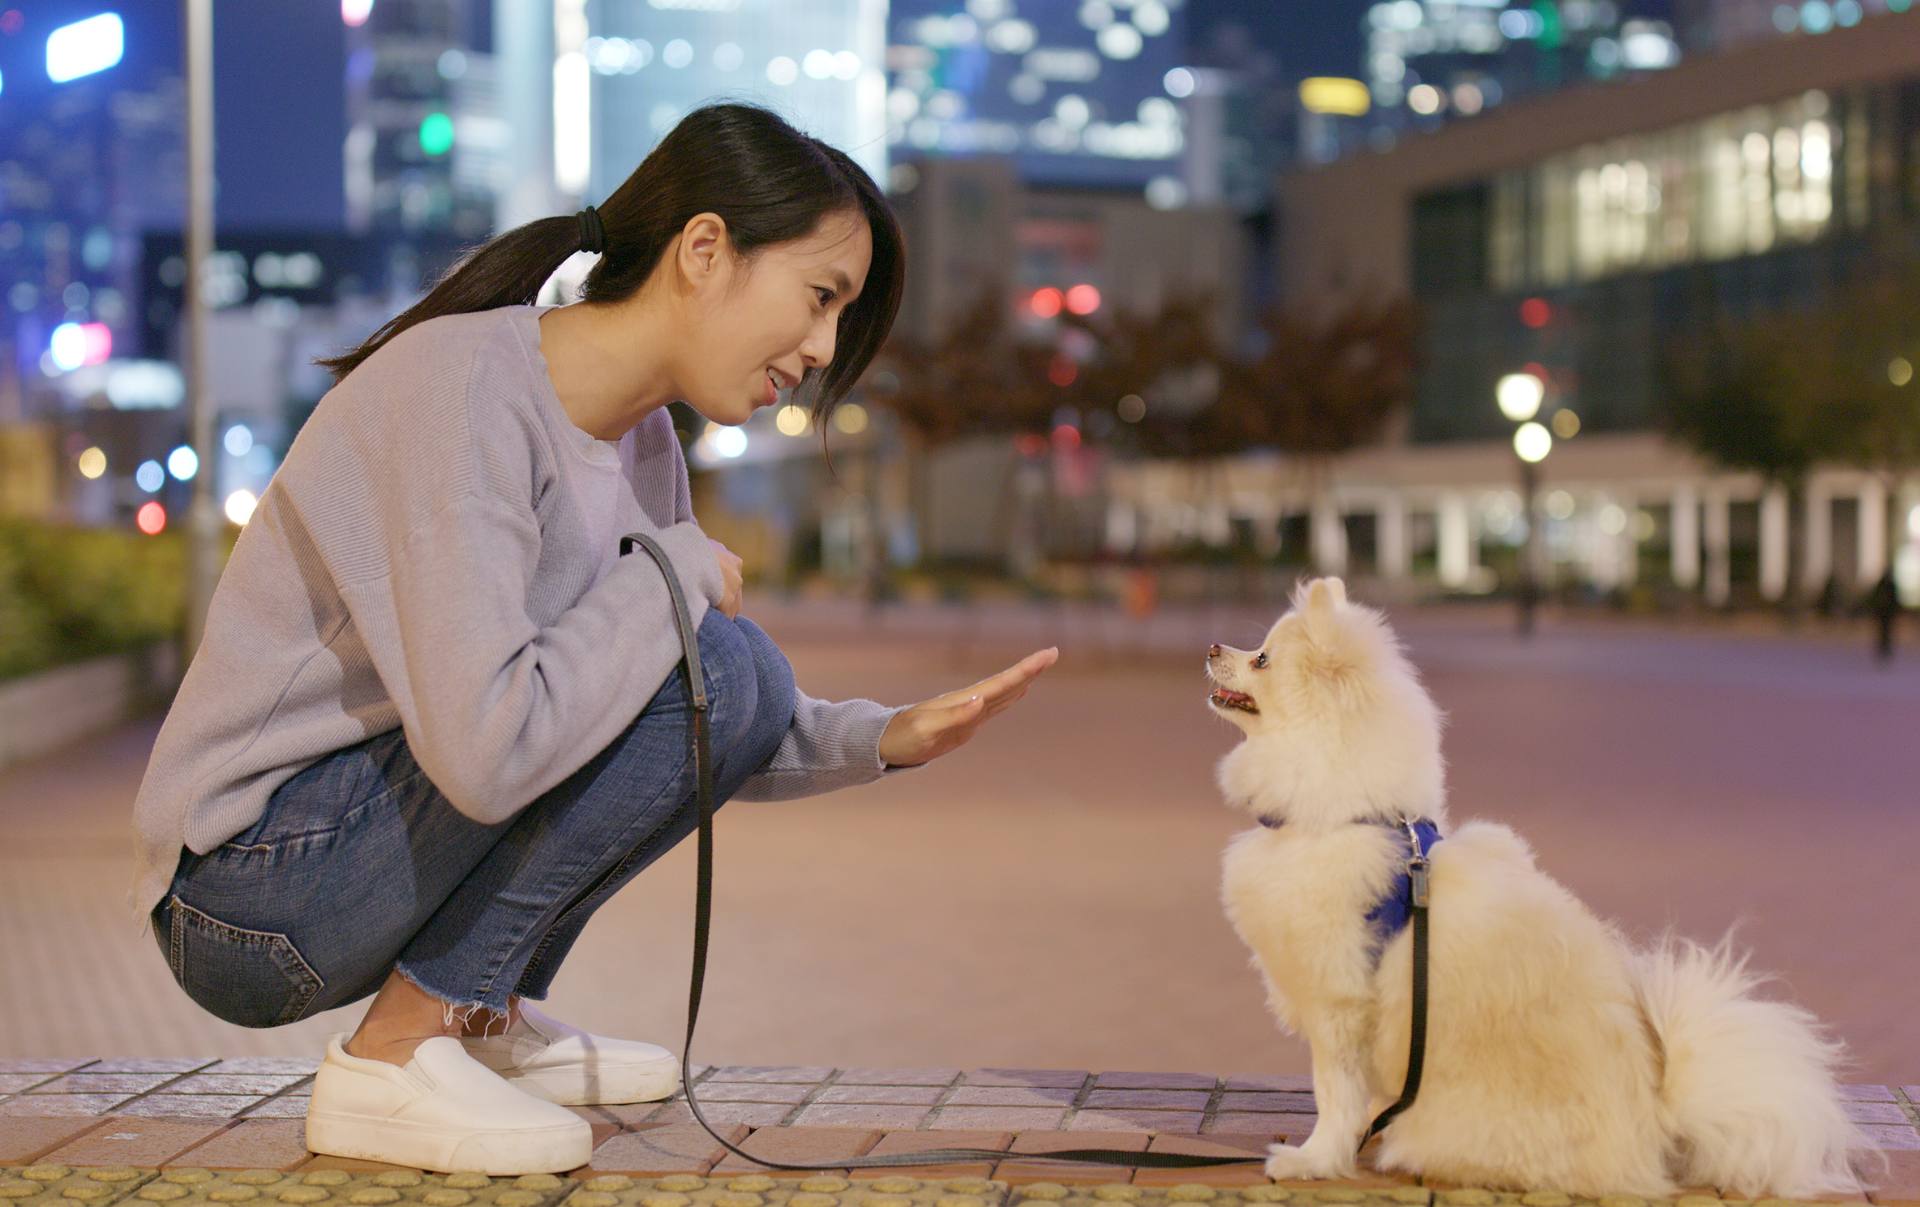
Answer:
[(498, 710), (436, 564), (831, 744)]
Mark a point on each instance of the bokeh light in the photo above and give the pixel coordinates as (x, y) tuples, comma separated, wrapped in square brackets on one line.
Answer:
[(1533, 442), (1519, 395), (850, 418), (792, 421), (239, 506)]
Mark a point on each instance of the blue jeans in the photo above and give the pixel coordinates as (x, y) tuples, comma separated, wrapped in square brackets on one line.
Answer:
[(360, 867)]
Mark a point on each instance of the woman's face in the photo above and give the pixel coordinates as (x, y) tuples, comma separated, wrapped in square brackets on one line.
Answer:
[(779, 316)]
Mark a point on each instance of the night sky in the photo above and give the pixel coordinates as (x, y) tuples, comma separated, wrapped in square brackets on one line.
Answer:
[(1307, 37), (279, 97)]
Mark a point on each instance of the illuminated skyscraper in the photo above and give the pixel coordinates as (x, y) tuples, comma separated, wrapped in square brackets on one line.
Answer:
[(1088, 93), (425, 144), (91, 154), (623, 81), (1433, 60)]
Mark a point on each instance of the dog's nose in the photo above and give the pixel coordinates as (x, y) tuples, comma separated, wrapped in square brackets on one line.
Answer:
[(1213, 651)]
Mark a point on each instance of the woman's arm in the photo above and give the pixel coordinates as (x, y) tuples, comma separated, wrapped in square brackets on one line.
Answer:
[(831, 744), (838, 744)]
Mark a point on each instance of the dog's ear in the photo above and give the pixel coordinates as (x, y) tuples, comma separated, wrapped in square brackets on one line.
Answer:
[(1335, 654), (1326, 594)]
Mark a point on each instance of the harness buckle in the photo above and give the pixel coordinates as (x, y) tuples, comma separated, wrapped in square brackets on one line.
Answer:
[(1416, 864)]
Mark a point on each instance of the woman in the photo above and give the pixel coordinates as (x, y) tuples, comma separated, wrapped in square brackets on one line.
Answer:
[(435, 721)]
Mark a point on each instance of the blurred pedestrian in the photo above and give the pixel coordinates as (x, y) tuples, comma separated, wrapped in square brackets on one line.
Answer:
[(1884, 603), (435, 721)]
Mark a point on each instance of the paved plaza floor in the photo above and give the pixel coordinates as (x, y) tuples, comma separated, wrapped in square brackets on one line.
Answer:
[(1048, 898), (184, 1127)]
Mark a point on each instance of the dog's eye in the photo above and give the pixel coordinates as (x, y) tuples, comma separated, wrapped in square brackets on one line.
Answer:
[(1260, 662)]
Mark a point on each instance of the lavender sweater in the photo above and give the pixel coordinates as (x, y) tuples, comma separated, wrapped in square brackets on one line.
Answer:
[(439, 551)]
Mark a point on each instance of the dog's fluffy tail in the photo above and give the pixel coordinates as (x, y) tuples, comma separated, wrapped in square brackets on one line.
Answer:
[(1749, 1085)]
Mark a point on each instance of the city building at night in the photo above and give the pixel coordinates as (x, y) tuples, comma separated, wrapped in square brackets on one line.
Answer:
[(1713, 25), (1079, 94), (623, 81), (1582, 233), (1432, 61), (426, 146)]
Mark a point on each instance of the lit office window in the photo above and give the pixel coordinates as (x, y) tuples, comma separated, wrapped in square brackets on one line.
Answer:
[(1737, 184)]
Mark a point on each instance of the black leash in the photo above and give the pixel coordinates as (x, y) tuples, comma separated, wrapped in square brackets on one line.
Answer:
[(703, 899), (1417, 1033)]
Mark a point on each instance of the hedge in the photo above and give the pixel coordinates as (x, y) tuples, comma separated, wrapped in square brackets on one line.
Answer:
[(69, 592)]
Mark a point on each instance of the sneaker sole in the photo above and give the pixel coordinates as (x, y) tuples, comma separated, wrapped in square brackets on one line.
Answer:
[(617, 1086), (504, 1152)]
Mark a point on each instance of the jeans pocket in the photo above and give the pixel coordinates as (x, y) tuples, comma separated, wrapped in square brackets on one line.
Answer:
[(252, 978)]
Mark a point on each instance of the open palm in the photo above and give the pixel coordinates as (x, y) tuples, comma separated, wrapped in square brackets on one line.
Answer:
[(932, 727)]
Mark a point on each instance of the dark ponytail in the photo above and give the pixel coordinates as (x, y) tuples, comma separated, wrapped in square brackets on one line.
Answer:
[(770, 184)]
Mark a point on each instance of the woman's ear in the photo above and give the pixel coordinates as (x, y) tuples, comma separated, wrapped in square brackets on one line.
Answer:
[(701, 242)]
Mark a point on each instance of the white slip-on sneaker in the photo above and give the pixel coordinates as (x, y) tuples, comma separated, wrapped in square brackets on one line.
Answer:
[(562, 1064), (442, 1111)]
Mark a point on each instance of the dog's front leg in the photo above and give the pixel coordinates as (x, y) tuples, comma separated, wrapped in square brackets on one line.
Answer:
[(1341, 1097)]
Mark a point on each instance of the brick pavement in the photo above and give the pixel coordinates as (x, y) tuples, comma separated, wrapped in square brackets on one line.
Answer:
[(96, 1131)]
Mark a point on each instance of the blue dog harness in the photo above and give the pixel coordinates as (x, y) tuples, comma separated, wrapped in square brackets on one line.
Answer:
[(1390, 913), (1405, 899)]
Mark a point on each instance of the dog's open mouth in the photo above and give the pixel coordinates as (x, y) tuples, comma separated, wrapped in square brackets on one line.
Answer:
[(1223, 698)]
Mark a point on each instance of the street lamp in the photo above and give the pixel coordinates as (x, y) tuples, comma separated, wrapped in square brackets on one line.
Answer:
[(1519, 396)]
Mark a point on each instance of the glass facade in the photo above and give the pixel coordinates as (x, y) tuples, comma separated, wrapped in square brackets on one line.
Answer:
[(420, 125), (1078, 94), (645, 64), (1591, 262), (1734, 185)]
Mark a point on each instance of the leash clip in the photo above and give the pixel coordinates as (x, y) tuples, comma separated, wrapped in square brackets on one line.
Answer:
[(1416, 865)]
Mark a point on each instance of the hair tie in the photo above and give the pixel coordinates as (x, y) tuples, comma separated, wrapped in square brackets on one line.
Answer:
[(593, 235)]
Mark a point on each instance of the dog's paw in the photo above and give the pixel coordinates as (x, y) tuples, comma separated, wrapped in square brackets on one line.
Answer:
[(1284, 1161)]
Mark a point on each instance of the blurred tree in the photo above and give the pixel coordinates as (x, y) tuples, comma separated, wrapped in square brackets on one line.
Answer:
[(1859, 370), (1746, 397), (1782, 392), (1170, 361), (972, 380), (1319, 389)]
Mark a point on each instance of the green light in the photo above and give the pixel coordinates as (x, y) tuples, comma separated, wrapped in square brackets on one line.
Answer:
[(1551, 33), (436, 134), (1899, 6)]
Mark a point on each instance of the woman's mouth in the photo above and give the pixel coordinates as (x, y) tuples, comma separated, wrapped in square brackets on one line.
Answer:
[(772, 393), (1223, 698)]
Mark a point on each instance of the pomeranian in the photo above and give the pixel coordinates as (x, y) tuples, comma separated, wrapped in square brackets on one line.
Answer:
[(1559, 1057)]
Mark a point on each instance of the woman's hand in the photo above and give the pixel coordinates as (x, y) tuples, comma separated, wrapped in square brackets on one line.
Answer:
[(730, 579), (933, 727)]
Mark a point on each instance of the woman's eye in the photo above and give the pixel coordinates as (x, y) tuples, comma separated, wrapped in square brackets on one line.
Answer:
[(818, 290), (1260, 662)]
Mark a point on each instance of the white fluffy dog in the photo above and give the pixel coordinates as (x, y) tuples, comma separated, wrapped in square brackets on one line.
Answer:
[(1558, 1056)]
